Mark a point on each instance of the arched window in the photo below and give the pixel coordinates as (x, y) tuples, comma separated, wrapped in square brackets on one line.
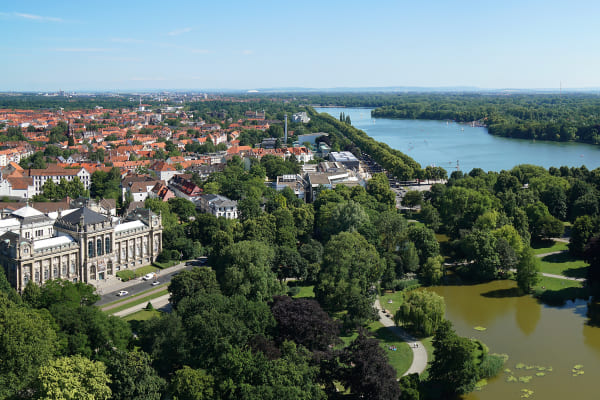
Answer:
[(90, 249), (107, 245), (99, 245)]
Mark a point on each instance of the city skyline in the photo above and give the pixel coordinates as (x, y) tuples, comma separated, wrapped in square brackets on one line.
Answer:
[(116, 46)]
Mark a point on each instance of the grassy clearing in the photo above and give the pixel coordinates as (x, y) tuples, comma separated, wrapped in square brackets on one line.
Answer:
[(556, 291), (142, 315), (396, 298), (140, 300), (564, 264), (305, 291), (548, 246), (400, 359)]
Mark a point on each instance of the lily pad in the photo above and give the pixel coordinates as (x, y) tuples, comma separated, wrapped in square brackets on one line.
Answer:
[(511, 378), (528, 367), (578, 366), (520, 366), (508, 371), (526, 393), (540, 374), (541, 368), (480, 328), (525, 379)]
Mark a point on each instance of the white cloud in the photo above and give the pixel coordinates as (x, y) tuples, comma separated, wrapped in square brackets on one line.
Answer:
[(247, 52), (31, 17), (178, 32)]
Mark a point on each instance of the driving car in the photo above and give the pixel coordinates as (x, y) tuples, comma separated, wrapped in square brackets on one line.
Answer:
[(155, 283), (147, 277), (122, 293)]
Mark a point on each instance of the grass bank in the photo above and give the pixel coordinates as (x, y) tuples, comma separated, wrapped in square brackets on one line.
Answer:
[(140, 300), (554, 291), (564, 264)]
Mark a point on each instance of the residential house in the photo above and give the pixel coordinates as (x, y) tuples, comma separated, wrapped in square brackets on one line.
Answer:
[(217, 205)]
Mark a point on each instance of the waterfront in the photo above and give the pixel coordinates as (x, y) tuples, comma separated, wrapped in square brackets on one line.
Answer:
[(444, 144), (542, 342)]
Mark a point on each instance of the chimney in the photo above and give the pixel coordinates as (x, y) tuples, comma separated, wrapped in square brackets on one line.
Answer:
[(285, 132)]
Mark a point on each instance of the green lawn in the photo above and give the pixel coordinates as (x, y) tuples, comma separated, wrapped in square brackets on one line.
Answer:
[(556, 291), (140, 300), (305, 291), (396, 301), (564, 264), (548, 246), (128, 274), (166, 264), (142, 315), (400, 359)]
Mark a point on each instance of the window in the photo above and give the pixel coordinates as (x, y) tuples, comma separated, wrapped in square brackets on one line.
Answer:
[(54, 272), (37, 276), (46, 273), (90, 249), (107, 245), (99, 245), (27, 235)]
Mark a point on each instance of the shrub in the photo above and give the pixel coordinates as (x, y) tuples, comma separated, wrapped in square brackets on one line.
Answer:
[(149, 306), (490, 366)]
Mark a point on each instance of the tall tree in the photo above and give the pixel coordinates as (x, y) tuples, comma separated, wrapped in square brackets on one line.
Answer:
[(73, 378)]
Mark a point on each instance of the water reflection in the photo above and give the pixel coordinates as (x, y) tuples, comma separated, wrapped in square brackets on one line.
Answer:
[(527, 314)]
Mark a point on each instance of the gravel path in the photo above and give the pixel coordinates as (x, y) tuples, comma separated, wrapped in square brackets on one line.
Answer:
[(419, 363)]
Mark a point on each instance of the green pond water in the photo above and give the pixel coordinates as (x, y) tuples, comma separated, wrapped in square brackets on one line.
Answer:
[(532, 334)]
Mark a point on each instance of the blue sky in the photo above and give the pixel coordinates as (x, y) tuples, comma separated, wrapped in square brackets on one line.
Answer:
[(121, 45)]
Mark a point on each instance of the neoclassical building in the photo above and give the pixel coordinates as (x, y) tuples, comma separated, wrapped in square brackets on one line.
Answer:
[(81, 245)]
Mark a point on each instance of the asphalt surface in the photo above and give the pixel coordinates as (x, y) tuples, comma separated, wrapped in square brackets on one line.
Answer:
[(139, 285)]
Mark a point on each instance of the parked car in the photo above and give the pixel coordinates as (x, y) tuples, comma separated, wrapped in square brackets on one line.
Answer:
[(123, 293), (147, 277)]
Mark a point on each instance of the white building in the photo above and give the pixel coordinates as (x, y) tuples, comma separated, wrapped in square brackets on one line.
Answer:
[(217, 205)]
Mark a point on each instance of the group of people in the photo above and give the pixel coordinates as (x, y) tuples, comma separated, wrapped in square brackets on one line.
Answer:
[(393, 348)]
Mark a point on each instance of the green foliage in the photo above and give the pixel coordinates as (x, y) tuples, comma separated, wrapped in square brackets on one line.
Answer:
[(73, 378), (422, 311), (351, 267), (518, 116), (27, 341), (201, 280), (453, 368), (192, 384), (527, 271), (132, 376), (244, 268)]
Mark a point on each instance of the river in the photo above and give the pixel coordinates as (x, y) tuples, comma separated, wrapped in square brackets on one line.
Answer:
[(445, 144), (538, 336)]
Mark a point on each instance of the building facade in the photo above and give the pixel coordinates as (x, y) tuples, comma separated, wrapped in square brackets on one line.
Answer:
[(84, 246)]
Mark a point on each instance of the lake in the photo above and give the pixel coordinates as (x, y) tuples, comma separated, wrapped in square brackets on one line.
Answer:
[(537, 336), (445, 144)]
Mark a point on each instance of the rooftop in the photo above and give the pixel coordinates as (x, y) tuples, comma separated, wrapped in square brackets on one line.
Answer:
[(52, 242)]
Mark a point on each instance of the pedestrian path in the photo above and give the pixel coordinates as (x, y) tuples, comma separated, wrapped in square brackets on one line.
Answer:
[(419, 363), (157, 303)]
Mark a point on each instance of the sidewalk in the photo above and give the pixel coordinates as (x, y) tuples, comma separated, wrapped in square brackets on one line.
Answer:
[(114, 284), (419, 363)]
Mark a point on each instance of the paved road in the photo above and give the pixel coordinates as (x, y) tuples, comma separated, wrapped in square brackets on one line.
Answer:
[(158, 303), (134, 286), (419, 363)]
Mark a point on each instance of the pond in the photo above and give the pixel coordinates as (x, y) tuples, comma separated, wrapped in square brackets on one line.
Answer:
[(553, 345)]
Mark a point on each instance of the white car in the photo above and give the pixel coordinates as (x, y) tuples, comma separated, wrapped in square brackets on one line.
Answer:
[(123, 293), (147, 277), (155, 283)]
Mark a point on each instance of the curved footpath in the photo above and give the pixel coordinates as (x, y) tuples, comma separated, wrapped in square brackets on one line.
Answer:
[(419, 363), (568, 278)]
